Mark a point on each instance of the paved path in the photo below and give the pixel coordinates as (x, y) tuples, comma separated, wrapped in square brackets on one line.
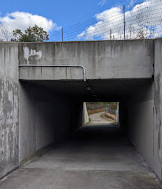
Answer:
[(96, 119), (95, 158)]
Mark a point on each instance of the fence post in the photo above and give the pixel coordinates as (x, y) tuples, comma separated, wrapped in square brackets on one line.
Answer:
[(124, 19)]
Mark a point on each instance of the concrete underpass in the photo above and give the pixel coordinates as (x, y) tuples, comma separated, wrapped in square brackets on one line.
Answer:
[(51, 144)]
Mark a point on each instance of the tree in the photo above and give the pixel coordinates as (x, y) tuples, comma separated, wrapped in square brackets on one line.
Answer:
[(31, 34), (141, 34)]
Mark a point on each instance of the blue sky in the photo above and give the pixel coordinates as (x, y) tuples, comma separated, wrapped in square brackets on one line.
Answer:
[(55, 13), (62, 12)]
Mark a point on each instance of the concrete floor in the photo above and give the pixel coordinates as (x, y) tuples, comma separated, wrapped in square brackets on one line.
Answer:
[(97, 157)]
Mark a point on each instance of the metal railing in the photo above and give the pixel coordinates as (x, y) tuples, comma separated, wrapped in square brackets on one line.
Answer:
[(59, 66)]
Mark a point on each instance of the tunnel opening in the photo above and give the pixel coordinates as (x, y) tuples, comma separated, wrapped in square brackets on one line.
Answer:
[(100, 113), (52, 112), (42, 104)]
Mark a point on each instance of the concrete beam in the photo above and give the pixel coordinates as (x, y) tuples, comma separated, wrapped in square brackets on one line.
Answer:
[(101, 60)]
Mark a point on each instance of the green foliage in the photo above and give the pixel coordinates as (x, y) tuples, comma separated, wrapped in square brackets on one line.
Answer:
[(31, 34)]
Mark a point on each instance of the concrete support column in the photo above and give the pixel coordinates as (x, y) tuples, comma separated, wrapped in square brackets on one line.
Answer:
[(9, 122)]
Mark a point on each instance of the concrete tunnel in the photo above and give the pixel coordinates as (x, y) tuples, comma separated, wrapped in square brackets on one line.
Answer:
[(48, 99), (55, 110)]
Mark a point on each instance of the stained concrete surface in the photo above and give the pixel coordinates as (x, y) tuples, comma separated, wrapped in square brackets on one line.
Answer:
[(101, 60), (9, 108), (97, 157)]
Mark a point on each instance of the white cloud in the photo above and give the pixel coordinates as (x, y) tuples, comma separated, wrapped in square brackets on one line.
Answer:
[(146, 17), (131, 3), (102, 3), (23, 20)]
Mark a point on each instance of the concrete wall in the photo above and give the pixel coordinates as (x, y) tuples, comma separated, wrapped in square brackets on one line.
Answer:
[(143, 125), (158, 107), (8, 108), (141, 129), (45, 118), (101, 59), (85, 114)]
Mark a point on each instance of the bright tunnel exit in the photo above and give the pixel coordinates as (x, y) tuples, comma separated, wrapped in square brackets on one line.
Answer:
[(100, 113)]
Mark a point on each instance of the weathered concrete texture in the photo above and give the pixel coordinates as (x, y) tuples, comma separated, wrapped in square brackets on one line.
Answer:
[(95, 158), (9, 136), (101, 59), (158, 108)]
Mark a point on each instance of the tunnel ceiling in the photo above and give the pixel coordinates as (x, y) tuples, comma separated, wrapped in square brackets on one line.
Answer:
[(96, 90)]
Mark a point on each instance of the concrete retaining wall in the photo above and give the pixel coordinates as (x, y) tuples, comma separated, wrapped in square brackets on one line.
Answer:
[(9, 108)]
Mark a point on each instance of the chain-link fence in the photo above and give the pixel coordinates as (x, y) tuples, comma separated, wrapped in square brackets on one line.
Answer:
[(140, 21)]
